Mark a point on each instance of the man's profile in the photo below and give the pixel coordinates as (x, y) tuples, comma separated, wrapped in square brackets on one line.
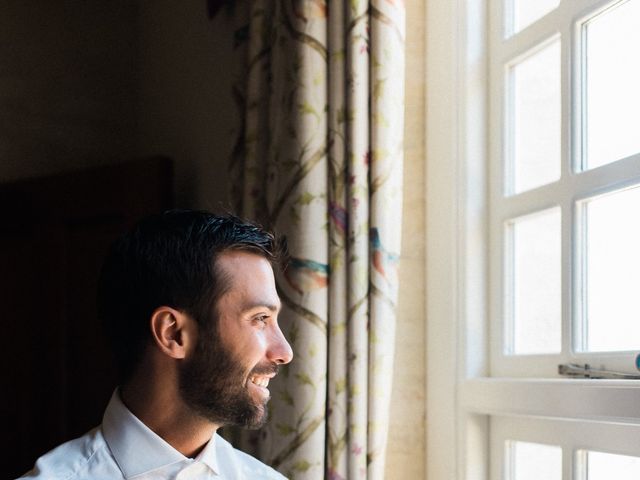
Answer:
[(190, 306)]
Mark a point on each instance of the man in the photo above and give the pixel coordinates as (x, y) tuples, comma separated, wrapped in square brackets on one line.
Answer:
[(190, 305)]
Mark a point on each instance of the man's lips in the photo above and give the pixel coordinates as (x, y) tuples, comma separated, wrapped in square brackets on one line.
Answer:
[(260, 376)]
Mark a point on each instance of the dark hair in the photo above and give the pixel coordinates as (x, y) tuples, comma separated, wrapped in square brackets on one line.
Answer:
[(169, 259)]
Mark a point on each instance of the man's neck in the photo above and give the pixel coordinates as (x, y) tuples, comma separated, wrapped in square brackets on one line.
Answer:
[(162, 410)]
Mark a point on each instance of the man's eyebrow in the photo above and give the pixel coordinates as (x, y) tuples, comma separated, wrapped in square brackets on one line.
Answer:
[(258, 304)]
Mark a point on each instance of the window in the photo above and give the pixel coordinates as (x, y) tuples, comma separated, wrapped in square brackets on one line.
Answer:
[(565, 181), (532, 234)]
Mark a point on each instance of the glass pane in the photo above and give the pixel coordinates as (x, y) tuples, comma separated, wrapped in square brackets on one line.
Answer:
[(613, 272), (605, 466), (536, 287), (535, 120), (612, 79), (533, 461), (525, 12)]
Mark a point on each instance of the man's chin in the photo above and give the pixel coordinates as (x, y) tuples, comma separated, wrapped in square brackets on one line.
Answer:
[(253, 415), (254, 425), (258, 419)]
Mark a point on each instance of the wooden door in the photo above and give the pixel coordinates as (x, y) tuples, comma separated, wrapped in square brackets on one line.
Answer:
[(57, 371)]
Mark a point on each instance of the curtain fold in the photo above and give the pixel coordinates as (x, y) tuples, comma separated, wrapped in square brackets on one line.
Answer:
[(318, 157)]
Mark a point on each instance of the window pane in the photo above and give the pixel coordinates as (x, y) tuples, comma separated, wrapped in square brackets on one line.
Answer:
[(605, 466), (525, 12), (612, 79), (535, 120), (533, 461), (613, 272), (536, 288)]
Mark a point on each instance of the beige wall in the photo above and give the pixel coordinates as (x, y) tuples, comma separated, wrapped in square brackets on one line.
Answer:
[(406, 448), (67, 88)]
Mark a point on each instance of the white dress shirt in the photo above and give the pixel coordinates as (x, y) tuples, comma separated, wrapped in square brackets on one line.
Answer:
[(125, 448)]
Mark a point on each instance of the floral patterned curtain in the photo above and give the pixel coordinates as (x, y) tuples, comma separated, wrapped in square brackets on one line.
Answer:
[(319, 159)]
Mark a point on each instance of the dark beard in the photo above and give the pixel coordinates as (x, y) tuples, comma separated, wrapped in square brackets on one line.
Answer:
[(212, 384)]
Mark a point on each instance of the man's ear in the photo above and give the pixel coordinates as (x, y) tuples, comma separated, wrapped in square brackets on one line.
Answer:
[(173, 331)]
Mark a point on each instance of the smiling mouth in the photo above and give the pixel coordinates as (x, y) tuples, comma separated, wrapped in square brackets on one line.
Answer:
[(260, 381)]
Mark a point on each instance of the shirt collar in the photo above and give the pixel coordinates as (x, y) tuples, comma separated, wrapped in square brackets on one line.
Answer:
[(208, 455), (137, 449)]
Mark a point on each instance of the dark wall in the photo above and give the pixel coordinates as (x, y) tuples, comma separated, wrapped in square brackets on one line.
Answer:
[(187, 63), (68, 85), (85, 83)]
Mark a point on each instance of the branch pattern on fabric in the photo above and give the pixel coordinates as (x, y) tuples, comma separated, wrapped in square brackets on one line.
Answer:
[(318, 157)]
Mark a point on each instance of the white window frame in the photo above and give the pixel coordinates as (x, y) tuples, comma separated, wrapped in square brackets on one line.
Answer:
[(562, 193), (460, 397)]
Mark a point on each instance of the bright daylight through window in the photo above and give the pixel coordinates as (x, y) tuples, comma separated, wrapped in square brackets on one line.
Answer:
[(564, 236), (564, 185)]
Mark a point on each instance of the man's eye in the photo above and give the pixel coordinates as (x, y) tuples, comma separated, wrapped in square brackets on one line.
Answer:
[(262, 318)]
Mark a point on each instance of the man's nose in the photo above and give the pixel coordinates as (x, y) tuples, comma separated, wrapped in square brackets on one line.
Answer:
[(280, 351)]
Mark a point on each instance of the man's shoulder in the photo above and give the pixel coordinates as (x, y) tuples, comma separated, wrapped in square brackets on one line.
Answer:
[(252, 467), (71, 460)]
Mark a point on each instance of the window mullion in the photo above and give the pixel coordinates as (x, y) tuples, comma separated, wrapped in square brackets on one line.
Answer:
[(567, 174)]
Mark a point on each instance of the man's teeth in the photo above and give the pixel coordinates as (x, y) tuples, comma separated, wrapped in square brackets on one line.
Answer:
[(260, 381)]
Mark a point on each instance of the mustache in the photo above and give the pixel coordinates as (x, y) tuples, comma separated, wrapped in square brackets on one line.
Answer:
[(265, 369)]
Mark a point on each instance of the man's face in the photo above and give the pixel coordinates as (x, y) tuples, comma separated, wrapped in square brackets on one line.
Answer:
[(226, 378)]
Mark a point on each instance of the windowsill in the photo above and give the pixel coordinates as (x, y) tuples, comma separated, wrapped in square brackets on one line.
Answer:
[(575, 399)]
